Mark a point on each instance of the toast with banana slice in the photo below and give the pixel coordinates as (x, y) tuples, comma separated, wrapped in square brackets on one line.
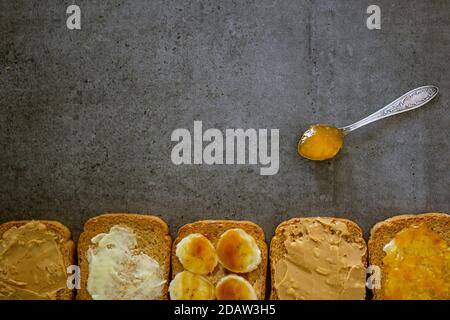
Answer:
[(219, 259)]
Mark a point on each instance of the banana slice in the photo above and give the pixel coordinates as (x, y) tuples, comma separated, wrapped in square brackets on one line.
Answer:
[(189, 286), (234, 287), (197, 254), (238, 251)]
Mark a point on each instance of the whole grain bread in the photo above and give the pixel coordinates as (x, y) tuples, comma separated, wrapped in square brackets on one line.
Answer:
[(383, 232), (152, 235), (278, 249), (213, 229), (66, 245)]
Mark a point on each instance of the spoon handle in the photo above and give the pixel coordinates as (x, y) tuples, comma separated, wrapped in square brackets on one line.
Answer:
[(409, 101)]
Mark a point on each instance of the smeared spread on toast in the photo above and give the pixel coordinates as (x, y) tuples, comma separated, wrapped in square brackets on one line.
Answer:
[(31, 263), (119, 271), (320, 262), (416, 265)]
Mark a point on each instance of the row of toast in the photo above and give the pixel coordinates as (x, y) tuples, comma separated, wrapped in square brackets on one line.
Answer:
[(132, 256)]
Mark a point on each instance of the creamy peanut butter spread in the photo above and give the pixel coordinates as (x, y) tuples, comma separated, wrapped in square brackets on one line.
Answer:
[(320, 263), (31, 263)]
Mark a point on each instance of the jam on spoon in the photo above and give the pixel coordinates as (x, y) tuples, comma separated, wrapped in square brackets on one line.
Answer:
[(322, 141)]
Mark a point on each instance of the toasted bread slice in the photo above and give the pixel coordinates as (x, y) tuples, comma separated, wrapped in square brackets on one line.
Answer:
[(278, 249), (383, 232), (213, 229), (66, 245), (152, 235)]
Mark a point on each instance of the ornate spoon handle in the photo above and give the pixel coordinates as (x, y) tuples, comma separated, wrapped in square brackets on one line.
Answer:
[(409, 101)]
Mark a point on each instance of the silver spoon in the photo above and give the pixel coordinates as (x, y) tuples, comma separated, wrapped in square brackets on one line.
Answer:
[(327, 145), (409, 101)]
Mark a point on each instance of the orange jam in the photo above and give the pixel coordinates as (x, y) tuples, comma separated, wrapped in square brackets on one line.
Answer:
[(417, 265), (320, 142)]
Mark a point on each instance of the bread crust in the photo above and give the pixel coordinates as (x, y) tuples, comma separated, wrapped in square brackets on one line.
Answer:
[(384, 231), (278, 250), (67, 246), (152, 236), (213, 229)]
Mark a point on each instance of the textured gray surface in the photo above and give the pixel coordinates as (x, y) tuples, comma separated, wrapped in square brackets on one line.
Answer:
[(86, 116)]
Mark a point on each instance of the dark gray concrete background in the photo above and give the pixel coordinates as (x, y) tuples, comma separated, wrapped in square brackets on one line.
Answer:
[(86, 116)]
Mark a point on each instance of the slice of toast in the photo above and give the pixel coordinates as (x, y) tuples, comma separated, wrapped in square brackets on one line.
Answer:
[(213, 229), (152, 235), (383, 232), (66, 245), (278, 249)]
